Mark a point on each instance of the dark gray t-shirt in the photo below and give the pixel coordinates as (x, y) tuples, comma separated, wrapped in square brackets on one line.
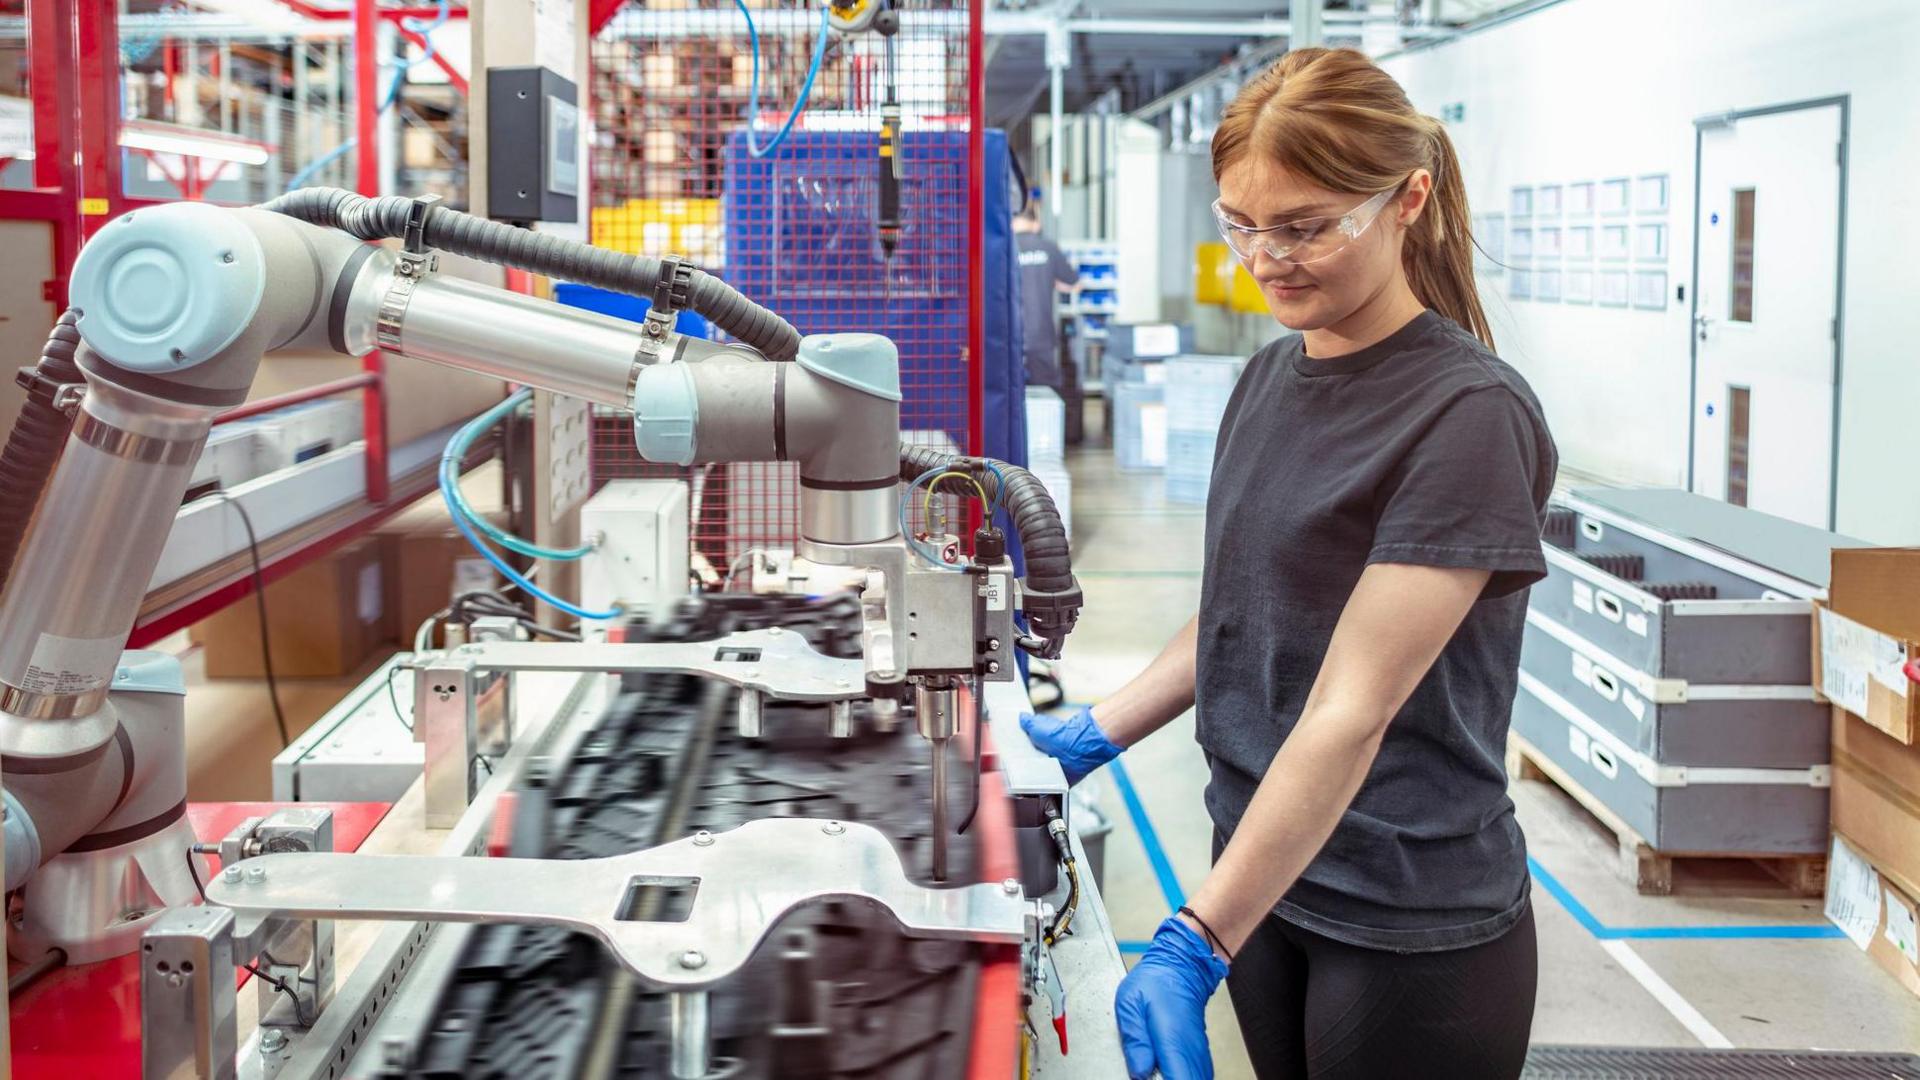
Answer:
[(1041, 264), (1424, 449)]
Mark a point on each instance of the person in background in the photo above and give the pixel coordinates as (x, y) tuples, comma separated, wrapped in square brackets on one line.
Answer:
[(1379, 487), (1044, 271)]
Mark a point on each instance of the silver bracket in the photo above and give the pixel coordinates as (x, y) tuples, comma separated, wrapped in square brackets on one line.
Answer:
[(744, 882), (776, 662), (188, 1002), (445, 697)]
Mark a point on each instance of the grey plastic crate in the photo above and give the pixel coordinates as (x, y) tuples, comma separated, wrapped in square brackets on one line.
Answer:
[(1748, 641), (1757, 727), (1679, 809)]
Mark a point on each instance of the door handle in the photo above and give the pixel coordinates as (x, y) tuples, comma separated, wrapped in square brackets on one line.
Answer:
[(1700, 324)]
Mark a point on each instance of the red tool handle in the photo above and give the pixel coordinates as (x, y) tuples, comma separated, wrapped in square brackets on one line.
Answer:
[(1913, 669), (1060, 1026)]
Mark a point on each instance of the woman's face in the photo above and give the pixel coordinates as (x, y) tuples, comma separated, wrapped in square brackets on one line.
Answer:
[(1324, 292)]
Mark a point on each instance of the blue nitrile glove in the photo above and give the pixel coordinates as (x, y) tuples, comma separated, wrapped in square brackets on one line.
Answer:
[(1162, 1006), (1077, 743)]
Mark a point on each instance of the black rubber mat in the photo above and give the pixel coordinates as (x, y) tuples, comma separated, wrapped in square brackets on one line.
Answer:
[(835, 994), (1632, 1063)]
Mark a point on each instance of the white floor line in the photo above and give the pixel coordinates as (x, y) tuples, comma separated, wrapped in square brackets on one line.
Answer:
[(1669, 998)]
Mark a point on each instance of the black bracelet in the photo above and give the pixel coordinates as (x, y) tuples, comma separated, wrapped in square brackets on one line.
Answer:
[(1212, 938)]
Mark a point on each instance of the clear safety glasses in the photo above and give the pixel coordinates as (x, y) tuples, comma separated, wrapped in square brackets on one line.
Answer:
[(1305, 241)]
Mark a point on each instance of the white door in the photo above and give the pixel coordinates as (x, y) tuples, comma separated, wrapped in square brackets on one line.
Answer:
[(1768, 230)]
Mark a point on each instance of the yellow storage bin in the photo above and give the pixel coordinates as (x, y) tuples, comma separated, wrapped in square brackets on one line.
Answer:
[(1211, 265), (1245, 295)]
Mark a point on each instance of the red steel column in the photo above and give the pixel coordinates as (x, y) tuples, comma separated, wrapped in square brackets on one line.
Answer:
[(976, 227), (97, 38), (366, 70)]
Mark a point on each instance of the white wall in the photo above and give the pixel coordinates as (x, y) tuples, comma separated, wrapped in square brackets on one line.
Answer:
[(1589, 89)]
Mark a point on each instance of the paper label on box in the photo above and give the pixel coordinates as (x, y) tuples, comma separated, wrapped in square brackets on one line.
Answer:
[(65, 665), (1902, 930), (1154, 374), (1583, 596), (1852, 657), (1159, 339), (470, 575), (372, 598), (1634, 705), (996, 592), (1853, 894), (1637, 622), (1582, 669), (1578, 742)]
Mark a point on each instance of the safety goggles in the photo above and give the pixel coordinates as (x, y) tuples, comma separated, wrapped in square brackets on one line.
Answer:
[(1305, 241)]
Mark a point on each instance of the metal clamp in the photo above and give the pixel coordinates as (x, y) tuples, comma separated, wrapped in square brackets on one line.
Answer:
[(744, 882), (55, 394), (415, 262)]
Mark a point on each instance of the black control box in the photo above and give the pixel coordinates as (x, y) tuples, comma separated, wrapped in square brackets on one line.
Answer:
[(533, 146)]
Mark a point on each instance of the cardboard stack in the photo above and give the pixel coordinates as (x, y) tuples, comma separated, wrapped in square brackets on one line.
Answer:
[(1866, 638)]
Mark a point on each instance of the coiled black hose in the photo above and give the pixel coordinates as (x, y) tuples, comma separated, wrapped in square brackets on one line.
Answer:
[(541, 253), (1050, 597), (39, 434)]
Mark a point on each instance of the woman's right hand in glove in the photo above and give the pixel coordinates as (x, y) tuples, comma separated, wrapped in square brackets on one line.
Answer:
[(1076, 742)]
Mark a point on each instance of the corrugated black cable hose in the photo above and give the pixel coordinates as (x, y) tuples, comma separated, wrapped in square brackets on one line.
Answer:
[(1050, 597), (542, 253), (39, 435)]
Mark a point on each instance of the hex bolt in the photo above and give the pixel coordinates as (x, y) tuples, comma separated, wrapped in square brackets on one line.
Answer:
[(993, 644), (693, 959), (231, 874), (703, 838), (833, 828), (1011, 887), (273, 1040), (993, 667), (256, 874)]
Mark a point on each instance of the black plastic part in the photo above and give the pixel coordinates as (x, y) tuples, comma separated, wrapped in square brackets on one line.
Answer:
[(989, 546)]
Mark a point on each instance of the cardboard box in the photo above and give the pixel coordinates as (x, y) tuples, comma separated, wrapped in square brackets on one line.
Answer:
[(428, 562), (1873, 622), (1876, 797), (1863, 671), (1876, 913), (323, 620)]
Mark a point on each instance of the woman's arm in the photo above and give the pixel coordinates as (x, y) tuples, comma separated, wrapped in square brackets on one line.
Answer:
[(1390, 632), (1155, 696)]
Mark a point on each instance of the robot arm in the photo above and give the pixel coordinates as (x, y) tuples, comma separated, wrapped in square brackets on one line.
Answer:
[(177, 304)]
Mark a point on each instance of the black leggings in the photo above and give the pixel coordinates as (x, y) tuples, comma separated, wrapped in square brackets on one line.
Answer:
[(1313, 1007)]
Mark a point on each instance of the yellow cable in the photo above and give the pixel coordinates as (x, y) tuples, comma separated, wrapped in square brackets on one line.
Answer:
[(926, 504)]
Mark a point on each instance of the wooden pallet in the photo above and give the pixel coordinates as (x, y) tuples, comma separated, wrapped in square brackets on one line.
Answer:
[(1648, 870)]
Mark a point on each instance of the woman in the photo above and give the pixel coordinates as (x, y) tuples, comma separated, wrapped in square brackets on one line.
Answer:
[(1378, 492)]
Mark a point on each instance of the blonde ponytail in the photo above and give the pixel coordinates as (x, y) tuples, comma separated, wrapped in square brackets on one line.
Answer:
[(1333, 117), (1439, 253)]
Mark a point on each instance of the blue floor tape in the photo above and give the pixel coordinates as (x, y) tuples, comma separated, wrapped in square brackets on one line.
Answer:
[(1587, 919), (1149, 839), (1176, 897)]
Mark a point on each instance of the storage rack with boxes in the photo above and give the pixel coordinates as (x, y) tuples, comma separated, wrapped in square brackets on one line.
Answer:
[(1666, 680)]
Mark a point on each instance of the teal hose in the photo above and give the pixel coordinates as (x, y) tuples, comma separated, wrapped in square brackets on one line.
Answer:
[(456, 452)]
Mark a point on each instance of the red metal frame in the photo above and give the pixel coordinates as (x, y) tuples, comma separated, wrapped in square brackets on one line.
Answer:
[(296, 397)]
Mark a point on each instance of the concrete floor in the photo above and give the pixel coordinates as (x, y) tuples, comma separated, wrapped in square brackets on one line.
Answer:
[(1138, 559)]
